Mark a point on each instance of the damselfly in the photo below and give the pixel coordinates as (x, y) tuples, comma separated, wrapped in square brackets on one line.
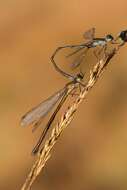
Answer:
[(35, 115), (91, 43)]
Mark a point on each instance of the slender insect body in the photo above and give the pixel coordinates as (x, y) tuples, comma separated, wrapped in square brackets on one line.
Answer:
[(36, 114), (92, 42)]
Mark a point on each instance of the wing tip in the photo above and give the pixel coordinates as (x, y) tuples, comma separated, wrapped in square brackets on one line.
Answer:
[(23, 123)]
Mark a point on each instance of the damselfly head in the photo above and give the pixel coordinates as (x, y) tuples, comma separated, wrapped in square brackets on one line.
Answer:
[(109, 38), (123, 35), (80, 76)]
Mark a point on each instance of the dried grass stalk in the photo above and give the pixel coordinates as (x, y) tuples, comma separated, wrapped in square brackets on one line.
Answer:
[(65, 120)]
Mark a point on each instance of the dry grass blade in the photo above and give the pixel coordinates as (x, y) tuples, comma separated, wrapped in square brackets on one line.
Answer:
[(65, 120)]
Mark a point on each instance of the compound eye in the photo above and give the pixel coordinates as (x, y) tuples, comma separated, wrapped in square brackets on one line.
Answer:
[(125, 39), (123, 35), (112, 38), (109, 37)]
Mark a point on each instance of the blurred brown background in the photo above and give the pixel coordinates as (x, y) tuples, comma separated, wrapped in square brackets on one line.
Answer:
[(92, 152)]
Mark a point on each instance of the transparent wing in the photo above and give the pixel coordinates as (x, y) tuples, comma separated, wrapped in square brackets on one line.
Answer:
[(42, 109), (79, 58), (76, 51), (89, 34)]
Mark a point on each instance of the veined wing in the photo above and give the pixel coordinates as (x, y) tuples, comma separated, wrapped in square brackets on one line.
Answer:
[(42, 109), (76, 57), (78, 60), (78, 48), (89, 34)]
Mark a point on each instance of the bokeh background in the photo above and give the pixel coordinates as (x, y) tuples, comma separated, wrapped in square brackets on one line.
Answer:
[(92, 153)]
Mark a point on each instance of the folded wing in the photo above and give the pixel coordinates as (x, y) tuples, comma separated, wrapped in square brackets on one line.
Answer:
[(42, 109)]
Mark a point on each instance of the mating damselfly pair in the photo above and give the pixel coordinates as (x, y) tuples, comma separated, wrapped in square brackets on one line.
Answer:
[(92, 42), (35, 116)]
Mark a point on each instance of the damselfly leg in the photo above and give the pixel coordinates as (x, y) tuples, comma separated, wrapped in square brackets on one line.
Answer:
[(92, 42), (65, 74), (88, 35)]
